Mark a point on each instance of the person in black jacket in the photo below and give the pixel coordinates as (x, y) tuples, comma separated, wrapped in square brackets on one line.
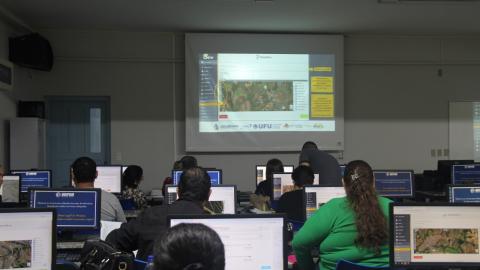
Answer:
[(322, 163), (140, 234), (291, 202)]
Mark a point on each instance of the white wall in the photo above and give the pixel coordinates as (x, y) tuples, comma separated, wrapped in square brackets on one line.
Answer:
[(396, 104)]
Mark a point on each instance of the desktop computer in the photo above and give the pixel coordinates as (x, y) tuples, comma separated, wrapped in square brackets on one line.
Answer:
[(36, 178), (109, 178), (437, 236), (466, 174), (251, 241), (215, 176), (222, 200), (394, 183), (464, 194), (283, 182), (314, 196), (27, 239), (261, 172), (10, 189)]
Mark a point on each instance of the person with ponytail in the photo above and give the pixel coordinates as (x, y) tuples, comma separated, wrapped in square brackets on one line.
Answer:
[(140, 233), (352, 228)]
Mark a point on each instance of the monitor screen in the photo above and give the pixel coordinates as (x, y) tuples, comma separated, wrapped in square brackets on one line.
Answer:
[(109, 178), (464, 194), (261, 172), (27, 239), (398, 184), (215, 176), (466, 174), (342, 170), (251, 242), (222, 200), (76, 208), (282, 183), (41, 178), (11, 189), (316, 196), (429, 235)]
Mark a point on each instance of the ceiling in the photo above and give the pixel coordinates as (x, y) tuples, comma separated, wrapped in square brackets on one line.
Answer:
[(287, 16)]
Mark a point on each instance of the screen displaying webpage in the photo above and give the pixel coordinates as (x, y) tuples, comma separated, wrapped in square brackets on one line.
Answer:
[(394, 183), (282, 183), (26, 240), (262, 172), (11, 188), (254, 92), (315, 197), (215, 176), (466, 174), (250, 243), (109, 178), (33, 179), (467, 194), (436, 234)]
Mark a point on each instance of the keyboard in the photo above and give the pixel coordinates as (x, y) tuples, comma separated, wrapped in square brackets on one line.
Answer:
[(68, 256), (70, 245)]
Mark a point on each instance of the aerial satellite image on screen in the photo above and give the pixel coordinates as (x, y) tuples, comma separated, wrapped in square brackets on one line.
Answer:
[(15, 254), (245, 96), (446, 241)]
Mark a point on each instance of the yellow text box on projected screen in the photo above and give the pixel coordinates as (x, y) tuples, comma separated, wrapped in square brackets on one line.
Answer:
[(321, 84), (322, 106)]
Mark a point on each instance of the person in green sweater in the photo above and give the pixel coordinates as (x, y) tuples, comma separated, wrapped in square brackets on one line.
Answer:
[(352, 228)]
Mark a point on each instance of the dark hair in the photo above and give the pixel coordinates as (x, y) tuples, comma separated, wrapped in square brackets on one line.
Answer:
[(309, 145), (370, 221), (188, 162), (273, 166), (177, 165), (132, 176), (194, 185), (189, 247), (84, 170), (302, 175)]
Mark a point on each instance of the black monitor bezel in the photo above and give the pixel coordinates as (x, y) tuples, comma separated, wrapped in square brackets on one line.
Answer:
[(256, 168), (66, 229), (243, 216), (452, 175), (54, 226), (50, 180), (304, 197), (19, 188), (449, 190), (220, 179), (400, 170), (441, 265)]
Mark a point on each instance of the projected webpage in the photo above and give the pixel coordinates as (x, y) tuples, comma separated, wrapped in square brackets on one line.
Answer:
[(250, 243), (266, 92), (316, 196), (221, 200), (436, 234), (26, 240)]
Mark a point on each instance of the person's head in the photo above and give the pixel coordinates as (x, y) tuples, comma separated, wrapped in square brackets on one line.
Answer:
[(132, 176), (309, 145), (188, 162), (84, 170), (273, 166), (189, 247), (304, 163), (177, 165), (194, 185), (362, 196), (302, 175)]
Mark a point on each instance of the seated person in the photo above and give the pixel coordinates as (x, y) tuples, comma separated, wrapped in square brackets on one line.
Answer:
[(84, 172), (291, 202), (188, 162), (140, 233), (131, 178), (189, 247), (352, 228), (169, 180), (265, 188)]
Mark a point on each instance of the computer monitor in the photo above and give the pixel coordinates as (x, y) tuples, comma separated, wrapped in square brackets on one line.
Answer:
[(464, 194), (215, 176), (434, 235), (222, 200), (251, 241), (76, 208), (314, 196), (109, 178), (11, 188), (394, 183), (261, 172), (466, 174), (282, 183), (124, 168), (342, 170), (34, 178), (27, 239), (444, 171)]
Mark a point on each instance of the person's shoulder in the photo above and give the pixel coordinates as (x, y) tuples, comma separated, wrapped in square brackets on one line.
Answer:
[(108, 196), (336, 202), (384, 201)]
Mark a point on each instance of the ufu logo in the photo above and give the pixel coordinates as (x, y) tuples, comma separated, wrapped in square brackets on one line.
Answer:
[(65, 195)]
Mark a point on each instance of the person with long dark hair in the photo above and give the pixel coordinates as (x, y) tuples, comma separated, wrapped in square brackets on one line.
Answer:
[(352, 228), (265, 188), (131, 178)]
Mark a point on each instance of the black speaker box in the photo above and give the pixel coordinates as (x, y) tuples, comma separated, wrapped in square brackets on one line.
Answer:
[(31, 51), (31, 109)]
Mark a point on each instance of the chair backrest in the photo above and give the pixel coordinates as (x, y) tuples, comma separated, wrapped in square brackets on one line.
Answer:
[(346, 265), (127, 204)]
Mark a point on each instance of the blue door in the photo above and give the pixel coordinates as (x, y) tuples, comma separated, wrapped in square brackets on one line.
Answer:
[(76, 126)]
